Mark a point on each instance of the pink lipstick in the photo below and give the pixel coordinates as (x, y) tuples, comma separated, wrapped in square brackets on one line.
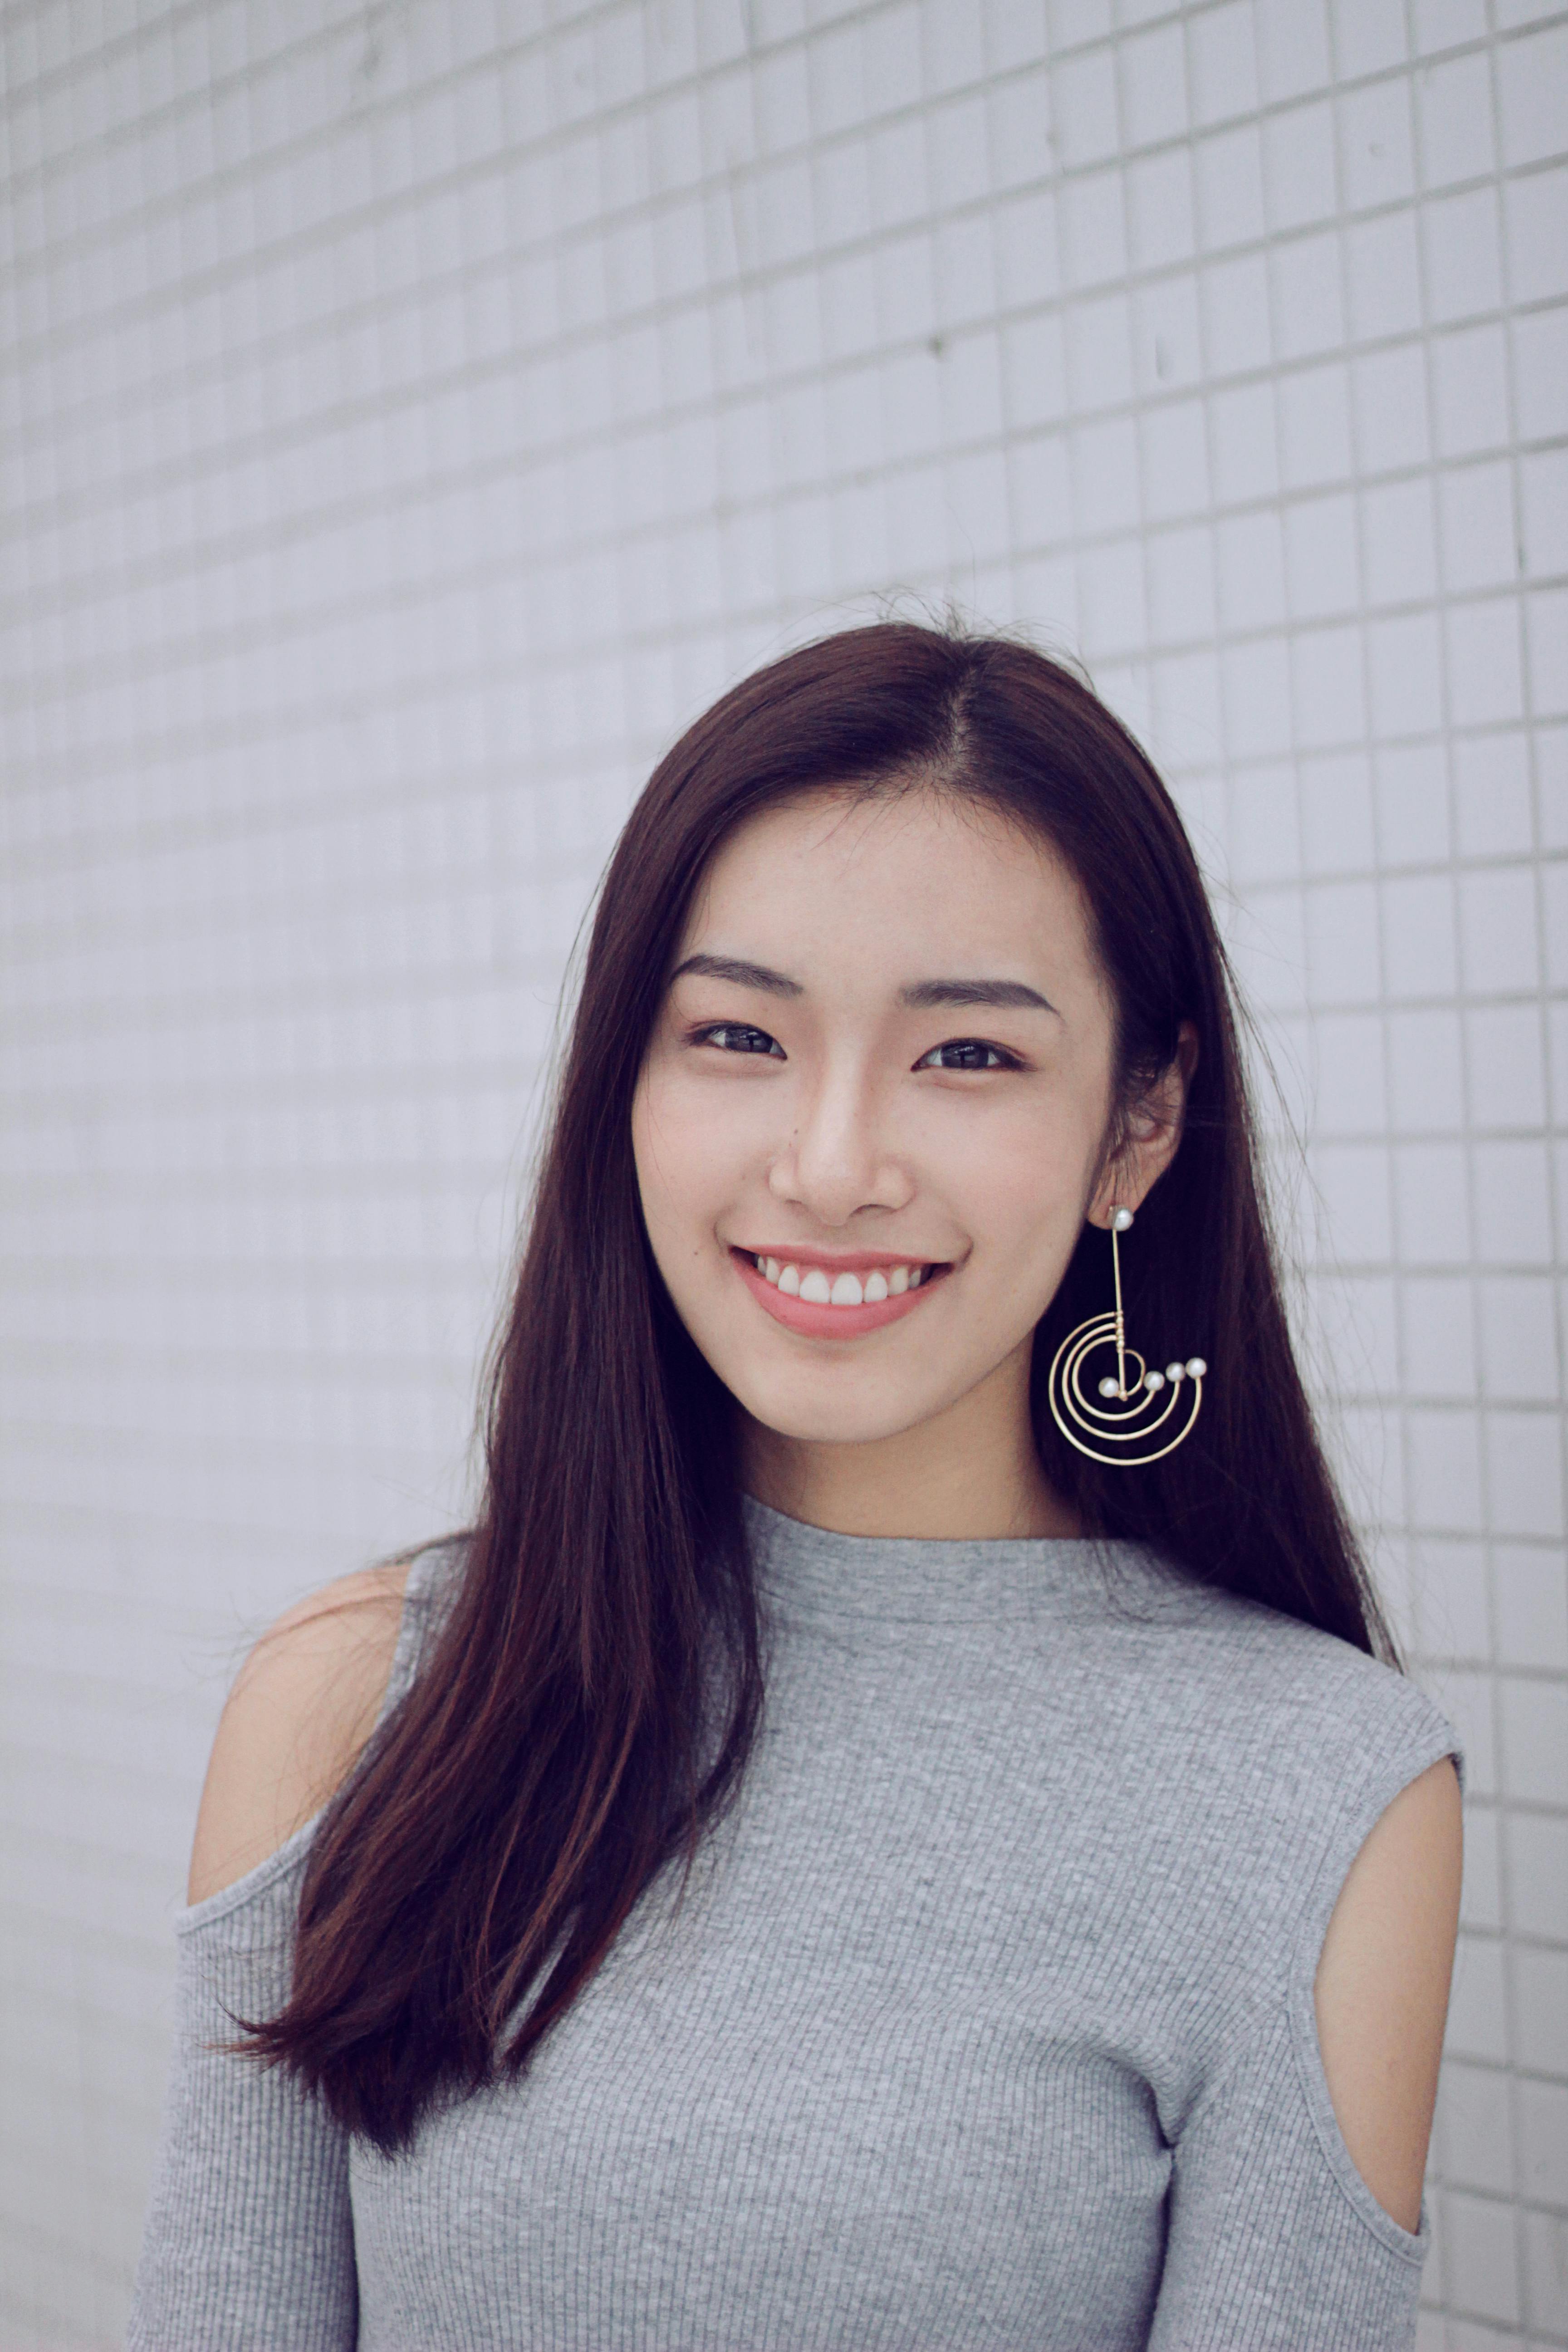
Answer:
[(816, 1322)]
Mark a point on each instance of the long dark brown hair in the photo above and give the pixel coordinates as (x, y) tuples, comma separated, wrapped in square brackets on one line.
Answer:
[(588, 1706)]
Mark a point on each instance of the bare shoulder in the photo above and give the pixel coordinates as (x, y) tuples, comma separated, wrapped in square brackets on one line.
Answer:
[(302, 1706), (1381, 1988)]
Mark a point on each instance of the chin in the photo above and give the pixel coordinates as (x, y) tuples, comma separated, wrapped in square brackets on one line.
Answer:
[(836, 1420)]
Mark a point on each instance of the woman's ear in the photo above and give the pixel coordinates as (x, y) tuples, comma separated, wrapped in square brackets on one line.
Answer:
[(1150, 1131)]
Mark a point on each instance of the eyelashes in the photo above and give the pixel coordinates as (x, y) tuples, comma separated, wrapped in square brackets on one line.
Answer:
[(1000, 1058), (743, 1037), (735, 1037)]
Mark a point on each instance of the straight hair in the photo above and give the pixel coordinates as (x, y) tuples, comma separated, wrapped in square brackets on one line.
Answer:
[(589, 1701)]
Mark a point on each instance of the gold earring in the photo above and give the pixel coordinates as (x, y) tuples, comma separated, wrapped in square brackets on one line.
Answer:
[(1129, 1393)]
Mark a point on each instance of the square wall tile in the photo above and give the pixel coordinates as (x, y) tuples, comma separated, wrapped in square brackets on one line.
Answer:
[(1543, 2141), (1369, 36), (1519, 1339), (1462, 240), (1353, 1188), (1541, 2005), (1524, 1472), (1376, 147), (1479, 2001), (1404, 659), (1481, 2273), (1432, 1194), (1344, 961), (1444, 1457), (1531, 73), (1339, 824), (1438, 1336), (1452, 1608), (1531, 1583), (1475, 2127), (1426, 1071), (1454, 115), (1229, 186), (1420, 936), (1481, 1904), (1384, 276), (1350, 1075), (1222, 63), (1497, 931), (1412, 813), (1513, 1205), (1541, 372), (1469, 389), (1506, 1066), (1546, 2273), (1447, 24), (1535, 213), (1293, 50), (1314, 412), (1393, 428), (1492, 796)]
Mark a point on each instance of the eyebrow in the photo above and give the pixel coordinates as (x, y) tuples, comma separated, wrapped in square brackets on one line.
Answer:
[(921, 996), (1004, 992), (739, 973)]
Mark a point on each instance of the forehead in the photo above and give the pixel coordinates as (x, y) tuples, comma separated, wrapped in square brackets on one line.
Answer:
[(910, 873)]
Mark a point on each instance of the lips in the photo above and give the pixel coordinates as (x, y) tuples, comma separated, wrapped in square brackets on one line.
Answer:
[(814, 1321)]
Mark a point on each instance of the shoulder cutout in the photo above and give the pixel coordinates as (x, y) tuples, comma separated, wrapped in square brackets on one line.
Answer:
[(1381, 1987), (302, 1706)]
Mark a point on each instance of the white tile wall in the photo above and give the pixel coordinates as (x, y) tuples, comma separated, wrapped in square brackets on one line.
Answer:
[(411, 416)]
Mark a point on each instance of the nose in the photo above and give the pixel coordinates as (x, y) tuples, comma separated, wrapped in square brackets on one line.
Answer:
[(839, 1157)]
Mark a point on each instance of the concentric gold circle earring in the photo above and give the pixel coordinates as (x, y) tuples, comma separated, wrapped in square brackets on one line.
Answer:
[(1130, 1392)]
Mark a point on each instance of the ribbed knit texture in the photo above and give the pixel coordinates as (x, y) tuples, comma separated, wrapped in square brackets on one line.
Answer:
[(987, 2022)]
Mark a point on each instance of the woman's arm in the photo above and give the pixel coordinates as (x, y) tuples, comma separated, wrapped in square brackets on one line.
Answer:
[(249, 2235), (1295, 2201), (1381, 1987), (302, 1706)]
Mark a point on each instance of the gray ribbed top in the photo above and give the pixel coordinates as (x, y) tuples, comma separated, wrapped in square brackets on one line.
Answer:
[(987, 2022)]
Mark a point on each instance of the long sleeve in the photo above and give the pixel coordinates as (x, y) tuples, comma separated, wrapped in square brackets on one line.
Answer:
[(250, 2238)]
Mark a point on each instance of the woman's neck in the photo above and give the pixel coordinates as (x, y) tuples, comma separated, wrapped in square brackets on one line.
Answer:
[(970, 1472)]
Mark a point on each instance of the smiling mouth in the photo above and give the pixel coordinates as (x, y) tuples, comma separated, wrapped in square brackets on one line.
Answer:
[(867, 1287), (823, 1303)]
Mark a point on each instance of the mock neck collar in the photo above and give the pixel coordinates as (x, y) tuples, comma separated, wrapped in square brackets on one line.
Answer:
[(815, 1572)]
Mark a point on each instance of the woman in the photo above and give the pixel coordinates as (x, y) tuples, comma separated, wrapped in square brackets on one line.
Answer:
[(892, 1829)]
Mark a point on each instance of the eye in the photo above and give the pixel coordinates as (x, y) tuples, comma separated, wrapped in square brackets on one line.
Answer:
[(736, 1037), (967, 1053)]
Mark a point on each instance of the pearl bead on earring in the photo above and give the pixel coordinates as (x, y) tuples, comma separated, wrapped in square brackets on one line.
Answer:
[(1133, 1385)]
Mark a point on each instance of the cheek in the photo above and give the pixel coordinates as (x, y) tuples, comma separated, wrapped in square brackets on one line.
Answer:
[(1019, 1177), (681, 1162), (1032, 1226)]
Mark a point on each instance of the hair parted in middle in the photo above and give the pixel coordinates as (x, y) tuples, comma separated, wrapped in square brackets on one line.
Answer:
[(594, 1692)]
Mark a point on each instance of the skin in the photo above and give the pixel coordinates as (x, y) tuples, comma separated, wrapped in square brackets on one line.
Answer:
[(852, 1136), (302, 1706), (977, 1137), (848, 1135)]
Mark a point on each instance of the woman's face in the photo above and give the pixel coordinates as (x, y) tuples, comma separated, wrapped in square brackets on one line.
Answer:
[(882, 1073)]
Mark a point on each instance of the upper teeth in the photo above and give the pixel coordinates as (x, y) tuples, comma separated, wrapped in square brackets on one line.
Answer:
[(844, 1289)]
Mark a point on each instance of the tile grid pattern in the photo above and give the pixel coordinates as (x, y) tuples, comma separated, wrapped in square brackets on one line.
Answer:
[(410, 417)]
